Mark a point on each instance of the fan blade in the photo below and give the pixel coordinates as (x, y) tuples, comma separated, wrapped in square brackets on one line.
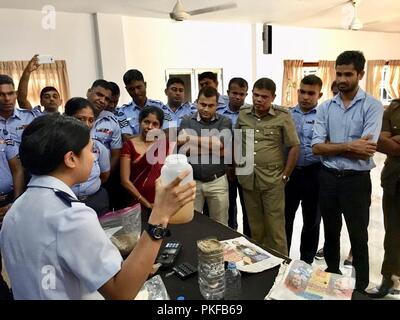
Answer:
[(231, 5), (323, 12)]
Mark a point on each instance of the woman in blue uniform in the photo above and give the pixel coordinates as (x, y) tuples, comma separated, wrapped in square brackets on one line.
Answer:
[(53, 245), (11, 186), (91, 192)]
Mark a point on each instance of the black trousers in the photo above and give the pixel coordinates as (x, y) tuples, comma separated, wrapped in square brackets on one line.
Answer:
[(347, 193), (234, 189), (303, 187), (391, 215), (98, 201), (118, 196)]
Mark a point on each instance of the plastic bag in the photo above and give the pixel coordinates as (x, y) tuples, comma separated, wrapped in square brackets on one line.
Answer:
[(153, 289), (123, 227)]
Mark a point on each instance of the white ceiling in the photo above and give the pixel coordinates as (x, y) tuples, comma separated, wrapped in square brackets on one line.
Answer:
[(377, 15)]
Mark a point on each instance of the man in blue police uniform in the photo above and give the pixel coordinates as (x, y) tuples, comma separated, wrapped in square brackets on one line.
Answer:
[(13, 120), (50, 98), (106, 128), (115, 94), (210, 79), (303, 185), (128, 114), (177, 107), (346, 132), (237, 93), (11, 186)]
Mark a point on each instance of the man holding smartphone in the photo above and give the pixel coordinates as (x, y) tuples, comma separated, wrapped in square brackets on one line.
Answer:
[(50, 98)]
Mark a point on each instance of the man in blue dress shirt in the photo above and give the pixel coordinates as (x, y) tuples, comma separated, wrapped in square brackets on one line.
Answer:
[(128, 114), (177, 107), (237, 93), (303, 185), (345, 135)]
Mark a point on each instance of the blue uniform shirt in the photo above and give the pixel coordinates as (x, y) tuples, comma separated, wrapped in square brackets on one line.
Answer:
[(101, 164), (128, 115), (223, 100), (13, 127), (106, 129), (305, 128), (338, 124), (8, 151), (173, 119), (53, 246), (227, 112)]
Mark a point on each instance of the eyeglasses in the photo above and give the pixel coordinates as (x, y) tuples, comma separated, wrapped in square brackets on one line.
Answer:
[(5, 132)]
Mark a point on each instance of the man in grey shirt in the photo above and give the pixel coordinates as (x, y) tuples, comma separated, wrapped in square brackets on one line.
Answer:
[(200, 135)]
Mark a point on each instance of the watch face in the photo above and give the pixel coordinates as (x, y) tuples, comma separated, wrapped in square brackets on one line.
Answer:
[(158, 232)]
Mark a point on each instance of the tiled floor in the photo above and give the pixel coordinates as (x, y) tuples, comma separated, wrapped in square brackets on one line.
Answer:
[(376, 230)]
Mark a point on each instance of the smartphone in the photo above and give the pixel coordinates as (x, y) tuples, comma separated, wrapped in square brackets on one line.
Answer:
[(45, 58)]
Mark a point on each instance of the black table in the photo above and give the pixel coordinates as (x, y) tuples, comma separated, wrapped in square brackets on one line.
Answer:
[(255, 286)]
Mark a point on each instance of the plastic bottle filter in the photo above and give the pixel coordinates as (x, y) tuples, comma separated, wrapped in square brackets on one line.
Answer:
[(173, 166)]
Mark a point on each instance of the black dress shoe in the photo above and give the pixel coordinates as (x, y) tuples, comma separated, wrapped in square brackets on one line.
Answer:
[(383, 290)]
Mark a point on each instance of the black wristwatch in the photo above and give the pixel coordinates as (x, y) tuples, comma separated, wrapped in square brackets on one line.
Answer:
[(157, 231)]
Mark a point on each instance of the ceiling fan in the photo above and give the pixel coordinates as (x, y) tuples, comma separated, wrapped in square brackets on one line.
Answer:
[(355, 23), (179, 13)]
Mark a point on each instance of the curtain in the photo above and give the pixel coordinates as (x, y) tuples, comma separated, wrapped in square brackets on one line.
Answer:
[(292, 75), (327, 73), (53, 74), (394, 79), (374, 77)]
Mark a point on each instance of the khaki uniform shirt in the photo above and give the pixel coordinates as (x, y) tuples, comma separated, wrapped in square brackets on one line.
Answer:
[(272, 133), (391, 172)]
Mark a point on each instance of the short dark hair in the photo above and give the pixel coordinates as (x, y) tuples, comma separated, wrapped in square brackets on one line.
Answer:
[(76, 104), (312, 80), (355, 58), (47, 139), (208, 92), (114, 88), (47, 89), (242, 83), (265, 83), (133, 75), (154, 110), (5, 79), (174, 80), (101, 83), (208, 75)]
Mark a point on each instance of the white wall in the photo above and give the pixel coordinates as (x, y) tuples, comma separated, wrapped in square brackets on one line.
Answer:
[(154, 45), (111, 48), (312, 45), (72, 40)]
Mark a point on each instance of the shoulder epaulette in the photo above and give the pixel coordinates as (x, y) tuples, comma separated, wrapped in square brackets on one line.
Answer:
[(65, 197), (280, 108)]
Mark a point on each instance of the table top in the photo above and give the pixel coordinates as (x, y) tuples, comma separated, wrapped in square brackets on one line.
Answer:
[(254, 286)]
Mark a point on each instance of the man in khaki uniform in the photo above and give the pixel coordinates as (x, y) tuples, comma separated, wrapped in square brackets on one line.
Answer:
[(263, 189), (389, 143)]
